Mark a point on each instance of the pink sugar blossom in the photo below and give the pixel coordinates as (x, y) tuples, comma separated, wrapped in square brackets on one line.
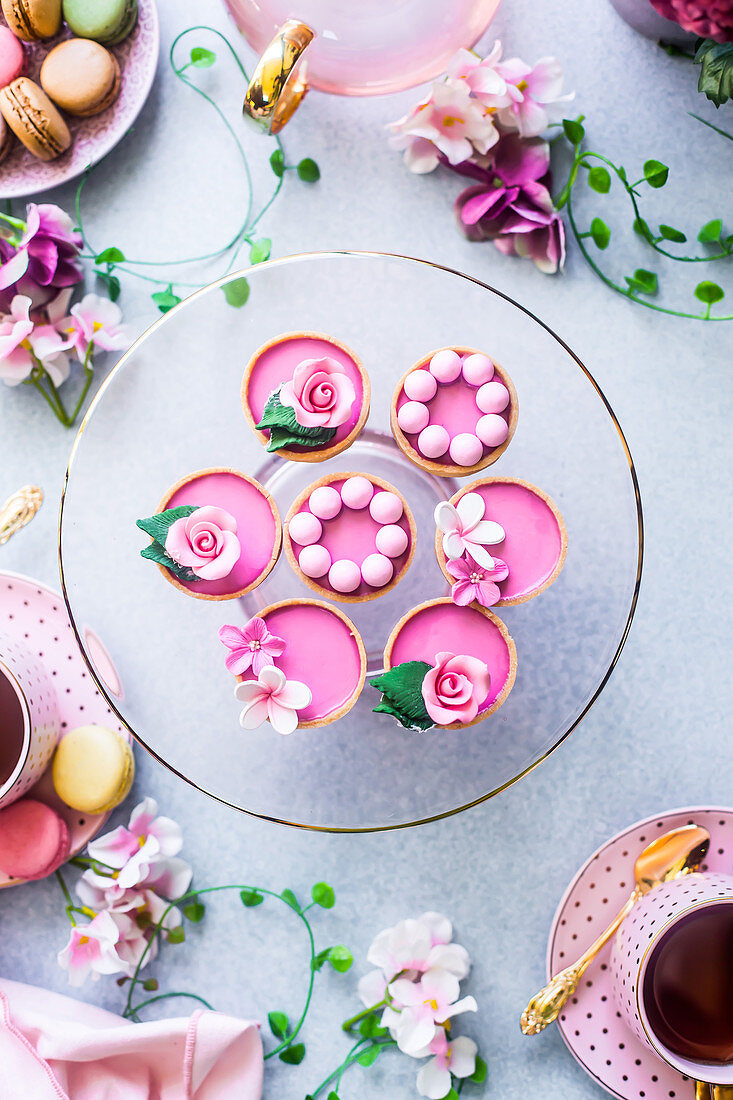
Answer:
[(466, 531), (475, 582), (205, 542), (705, 18), (455, 687), (252, 646), (448, 124), (92, 950), (320, 393), (272, 698)]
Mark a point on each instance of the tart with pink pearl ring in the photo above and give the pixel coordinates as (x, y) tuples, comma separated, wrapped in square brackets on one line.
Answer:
[(350, 536), (454, 412)]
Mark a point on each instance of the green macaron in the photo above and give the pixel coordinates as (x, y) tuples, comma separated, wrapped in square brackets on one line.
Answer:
[(106, 21)]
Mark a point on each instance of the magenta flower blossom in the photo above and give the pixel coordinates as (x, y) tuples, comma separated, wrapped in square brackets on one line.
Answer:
[(252, 647), (535, 93), (706, 18), (475, 582), (511, 204), (47, 254)]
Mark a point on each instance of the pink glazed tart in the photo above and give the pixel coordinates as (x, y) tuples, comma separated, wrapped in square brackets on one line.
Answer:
[(441, 626), (454, 412), (536, 542), (275, 364), (255, 513), (350, 537), (324, 650)]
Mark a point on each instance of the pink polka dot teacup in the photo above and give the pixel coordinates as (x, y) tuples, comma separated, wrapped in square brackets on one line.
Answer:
[(29, 720)]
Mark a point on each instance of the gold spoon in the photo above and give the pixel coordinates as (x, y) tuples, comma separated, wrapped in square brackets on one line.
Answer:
[(675, 853), (18, 510)]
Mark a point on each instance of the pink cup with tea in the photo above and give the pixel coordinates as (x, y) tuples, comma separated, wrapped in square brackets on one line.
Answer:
[(29, 720), (672, 968)]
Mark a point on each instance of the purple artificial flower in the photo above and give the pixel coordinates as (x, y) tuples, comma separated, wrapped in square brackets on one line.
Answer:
[(45, 259), (511, 203), (705, 18), (251, 647), (475, 582)]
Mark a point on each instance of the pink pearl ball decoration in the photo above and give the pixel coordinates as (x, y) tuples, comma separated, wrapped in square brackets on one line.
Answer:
[(377, 570), (477, 369), (325, 502), (420, 385), (492, 430), (385, 507), (413, 416), (315, 561), (305, 528), (356, 492), (493, 397), (344, 576), (445, 365), (433, 441), (466, 449), (391, 540)]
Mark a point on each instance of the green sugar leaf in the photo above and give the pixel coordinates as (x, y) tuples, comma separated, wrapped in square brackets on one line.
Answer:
[(260, 250), (279, 1024), (165, 299), (642, 281), (176, 935), (323, 895), (308, 170), (711, 232), (277, 163), (340, 958), (655, 173), (202, 58), (600, 233), (195, 911), (285, 430), (401, 689), (157, 526), (250, 898), (716, 70), (293, 1055), (110, 256), (290, 899), (709, 292), (599, 179), (236, 292), (669, 233), (574, 132), (369, 1057), (156, 552), (479, 1074)]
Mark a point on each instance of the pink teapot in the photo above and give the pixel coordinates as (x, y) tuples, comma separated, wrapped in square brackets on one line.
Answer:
[(350, 47)]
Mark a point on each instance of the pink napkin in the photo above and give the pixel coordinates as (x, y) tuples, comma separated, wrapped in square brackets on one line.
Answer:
[(56, 1048)]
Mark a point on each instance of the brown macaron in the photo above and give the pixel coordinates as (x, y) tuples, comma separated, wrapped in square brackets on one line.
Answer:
[(30, 20), (6, 138), (32, 117), (81, 76)]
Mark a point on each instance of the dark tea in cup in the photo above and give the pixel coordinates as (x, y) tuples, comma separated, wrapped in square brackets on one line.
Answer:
[(12, 729)]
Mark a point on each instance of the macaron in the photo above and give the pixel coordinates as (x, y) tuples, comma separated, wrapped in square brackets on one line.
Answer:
[(12, 57), (6, 138), (30, 20), (106, 21), (34, 839), (81, 77), (93, 769), (32, 117)]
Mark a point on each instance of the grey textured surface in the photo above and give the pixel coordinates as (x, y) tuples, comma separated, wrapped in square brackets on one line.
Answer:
[(657, 738)]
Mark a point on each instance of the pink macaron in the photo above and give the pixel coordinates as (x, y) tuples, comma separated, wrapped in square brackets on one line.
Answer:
[(12, 57), (34, 839)]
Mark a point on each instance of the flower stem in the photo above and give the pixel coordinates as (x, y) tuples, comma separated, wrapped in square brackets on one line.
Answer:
[(88, 376), (348, 1025), (70, 908)]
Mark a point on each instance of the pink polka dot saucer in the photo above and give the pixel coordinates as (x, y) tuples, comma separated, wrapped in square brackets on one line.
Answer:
[(350, 536), (590, 1023), (454, 412)]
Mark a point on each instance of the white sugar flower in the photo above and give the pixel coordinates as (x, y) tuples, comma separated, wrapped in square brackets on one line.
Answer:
[(465, 531)]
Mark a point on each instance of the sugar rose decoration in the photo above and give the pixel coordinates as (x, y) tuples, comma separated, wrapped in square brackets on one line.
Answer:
[(454, 688), (194, 543), (310, 406)]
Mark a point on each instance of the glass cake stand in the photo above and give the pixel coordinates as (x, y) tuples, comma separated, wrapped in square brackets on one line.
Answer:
[(172, 406)]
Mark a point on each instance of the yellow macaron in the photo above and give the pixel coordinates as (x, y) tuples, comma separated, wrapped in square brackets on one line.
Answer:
[(93, 769)]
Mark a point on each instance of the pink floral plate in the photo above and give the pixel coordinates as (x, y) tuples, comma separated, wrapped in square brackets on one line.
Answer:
[(590, 1024), (22, 174), (37, 615)]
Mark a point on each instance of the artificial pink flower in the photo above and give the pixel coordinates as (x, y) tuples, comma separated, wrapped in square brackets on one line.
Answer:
[(205, 542), (419, 1005), (454, 688), (95, 321), (466, 531), (481, 76), (92, 949), (143, 855), (511, 204), (474, 582), (47, 254), (705, 18), (534, 93), (15, 328), (449, 123), (252, 646), (115, 848), (456, 1057), (272, 697), (320, 393)]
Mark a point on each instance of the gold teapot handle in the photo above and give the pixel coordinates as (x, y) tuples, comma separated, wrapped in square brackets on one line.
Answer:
[(18, 510), (279, 84)]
